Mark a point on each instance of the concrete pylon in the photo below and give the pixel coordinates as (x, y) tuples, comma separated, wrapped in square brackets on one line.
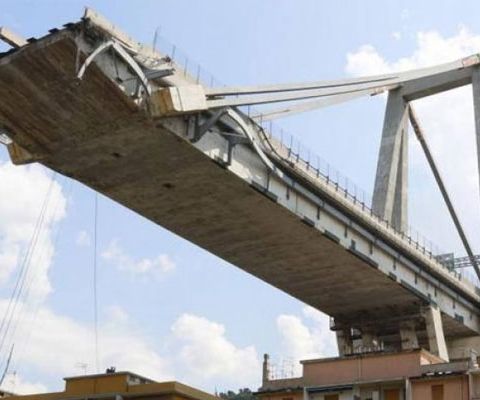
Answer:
[(390, 191), (436, 337), (476, 106)]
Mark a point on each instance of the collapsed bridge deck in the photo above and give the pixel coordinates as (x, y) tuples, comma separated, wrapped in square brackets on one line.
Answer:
[(290, 230)]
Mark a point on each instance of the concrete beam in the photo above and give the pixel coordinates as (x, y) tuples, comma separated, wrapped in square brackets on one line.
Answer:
[(476, 105), (436, 336), (400, 205), (316, 104), (438, 83), (178, 99), (390, 191)]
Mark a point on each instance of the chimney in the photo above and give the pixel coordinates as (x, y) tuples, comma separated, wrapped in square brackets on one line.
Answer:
[(266, 369)]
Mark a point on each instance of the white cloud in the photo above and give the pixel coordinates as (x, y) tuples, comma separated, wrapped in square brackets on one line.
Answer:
[(397, 35), (307, 337), (366, 61), (14, 383), (432, 48), (196, 350), (83, 239), (449, 126), (117, 314), (207, 354), (59, 343), (156, 267), (25, 189)]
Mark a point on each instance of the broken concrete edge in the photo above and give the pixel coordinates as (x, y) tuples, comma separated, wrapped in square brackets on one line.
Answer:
[(178, 99), (11, 38), (107, 27)]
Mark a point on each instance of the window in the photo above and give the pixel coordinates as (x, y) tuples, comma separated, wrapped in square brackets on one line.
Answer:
[(391, 394), (437, 392), (331, 397)]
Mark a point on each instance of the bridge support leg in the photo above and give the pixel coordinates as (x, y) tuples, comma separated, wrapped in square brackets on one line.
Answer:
[(390, 191), (476, 105), (344, 342), (408, 335), (370, 340), (436, 337), (400, 205)]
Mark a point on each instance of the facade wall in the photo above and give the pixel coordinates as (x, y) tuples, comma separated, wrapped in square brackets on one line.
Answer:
[(384, 377), (369, 392), (104, 384), (367, 368), (125, 384), (454, 388), (282, 396)]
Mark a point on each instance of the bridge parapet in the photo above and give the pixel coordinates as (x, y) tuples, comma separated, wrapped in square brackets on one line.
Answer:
[(352, 201)]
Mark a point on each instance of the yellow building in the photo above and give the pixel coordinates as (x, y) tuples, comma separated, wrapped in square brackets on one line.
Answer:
[(120, 386)]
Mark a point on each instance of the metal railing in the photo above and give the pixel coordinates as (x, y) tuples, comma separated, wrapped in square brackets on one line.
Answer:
[(190, 68), (318, 168)]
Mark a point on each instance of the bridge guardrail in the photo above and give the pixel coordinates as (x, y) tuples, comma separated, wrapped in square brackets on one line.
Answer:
[(355, 196)]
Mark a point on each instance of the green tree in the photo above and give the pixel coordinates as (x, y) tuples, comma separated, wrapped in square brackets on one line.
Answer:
[(243, 394)]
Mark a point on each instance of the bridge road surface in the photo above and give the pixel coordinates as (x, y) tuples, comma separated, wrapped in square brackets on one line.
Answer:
[(302, 237)]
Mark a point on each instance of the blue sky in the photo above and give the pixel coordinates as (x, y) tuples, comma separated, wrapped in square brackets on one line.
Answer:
[(189, 306)]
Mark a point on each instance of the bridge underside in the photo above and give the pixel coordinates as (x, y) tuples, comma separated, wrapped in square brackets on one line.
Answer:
[(93, 133)]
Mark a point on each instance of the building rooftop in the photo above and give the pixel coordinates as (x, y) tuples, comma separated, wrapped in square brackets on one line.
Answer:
[(124, 384), (431, 358), (132, 377)]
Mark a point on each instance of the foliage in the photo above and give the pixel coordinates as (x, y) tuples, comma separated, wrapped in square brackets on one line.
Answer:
[(243, 394)]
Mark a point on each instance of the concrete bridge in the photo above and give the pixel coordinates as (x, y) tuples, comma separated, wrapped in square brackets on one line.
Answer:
[(90, 102)]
